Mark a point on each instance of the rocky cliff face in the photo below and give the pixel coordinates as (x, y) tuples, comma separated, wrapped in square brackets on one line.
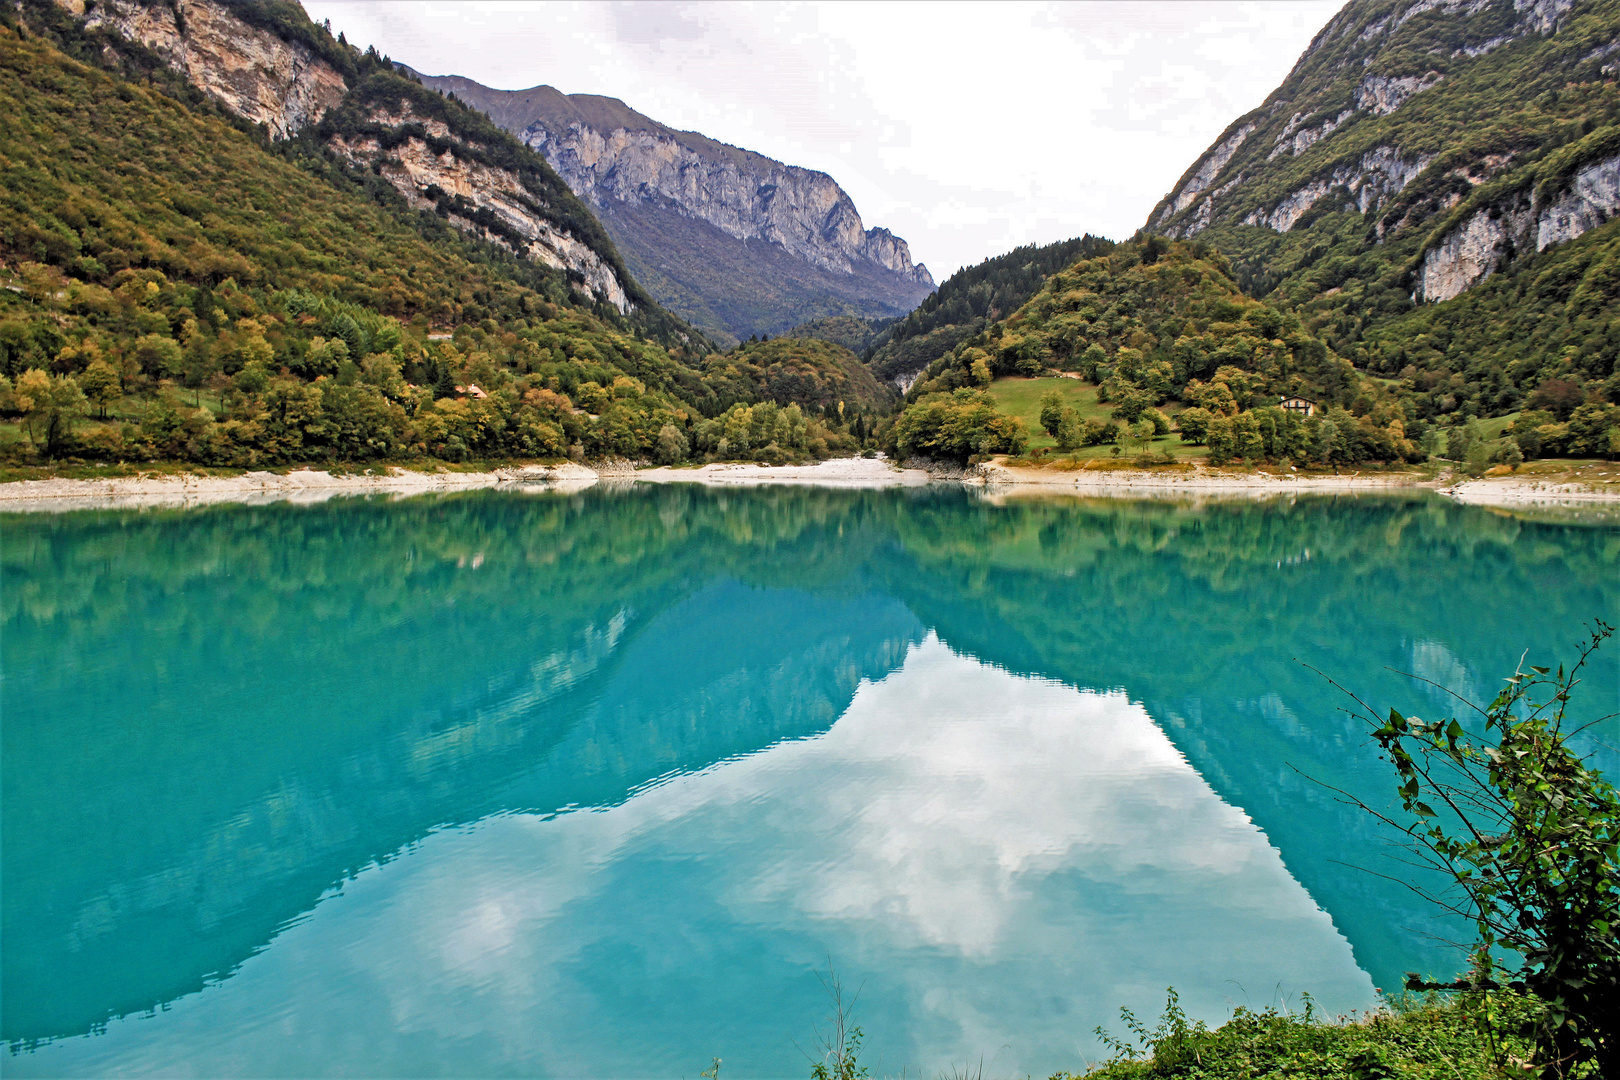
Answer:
[(1493, 235), (449, 172), (632, 168), (1382, 116), (257, 74), (288, 86), (746, 196)]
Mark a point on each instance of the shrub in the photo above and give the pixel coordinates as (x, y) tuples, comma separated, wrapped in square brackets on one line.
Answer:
[(1527, 835)]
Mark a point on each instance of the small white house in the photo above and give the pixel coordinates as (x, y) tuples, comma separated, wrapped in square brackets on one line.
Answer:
[(1303, 406)]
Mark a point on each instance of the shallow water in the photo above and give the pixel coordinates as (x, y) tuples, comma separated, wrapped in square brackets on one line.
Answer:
[(595, 785)]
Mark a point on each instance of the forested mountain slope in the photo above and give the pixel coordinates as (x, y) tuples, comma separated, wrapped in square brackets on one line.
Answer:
[(736, 242), (1163, 323), (267, 63), (180, 284), (970, 300), (1432, 189)]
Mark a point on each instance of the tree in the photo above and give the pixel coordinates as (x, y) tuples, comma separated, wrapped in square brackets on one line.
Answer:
[(672, 446), (49, 405), (1051, 412), (1194, 424), (101, 385), (1559, 396), (1130, 403), (1526, 836), (1142, 435), (957, 426), (1327, 442), (1071, 431), (158, 356), (1461, 440), (1222, 443)]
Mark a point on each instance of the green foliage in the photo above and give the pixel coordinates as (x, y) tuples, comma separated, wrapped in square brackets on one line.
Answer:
[(1152, 328), (1051, 412), (854, 334), (764, 432), (841, 1040), (971, 299), (817, 374), (957, 426), (1510, 118), (1529, 834), (1176, 326), (151, 244), (1423, 1037), (49, 405)]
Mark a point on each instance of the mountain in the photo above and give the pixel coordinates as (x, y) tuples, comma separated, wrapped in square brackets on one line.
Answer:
[(734, 241), (267, 63), (1432, 187), (228, 238)]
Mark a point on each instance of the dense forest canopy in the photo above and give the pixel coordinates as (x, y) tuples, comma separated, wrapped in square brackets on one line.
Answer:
[(1162, 323), (969, 300)]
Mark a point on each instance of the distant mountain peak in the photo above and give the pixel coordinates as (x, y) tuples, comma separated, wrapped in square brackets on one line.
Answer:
[(639, 174)]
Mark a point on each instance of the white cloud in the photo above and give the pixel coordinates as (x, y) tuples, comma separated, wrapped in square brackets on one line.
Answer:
[(966, 128)]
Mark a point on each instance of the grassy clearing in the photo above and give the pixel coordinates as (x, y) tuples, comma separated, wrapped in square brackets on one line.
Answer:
[(1021, 397)]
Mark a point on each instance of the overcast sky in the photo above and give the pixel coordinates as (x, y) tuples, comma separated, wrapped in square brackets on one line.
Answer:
[(967, 129)]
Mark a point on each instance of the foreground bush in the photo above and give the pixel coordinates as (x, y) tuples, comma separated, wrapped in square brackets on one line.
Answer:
[(1418, 1037)]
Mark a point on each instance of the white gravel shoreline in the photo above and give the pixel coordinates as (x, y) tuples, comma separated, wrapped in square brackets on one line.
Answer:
[(310, 486)]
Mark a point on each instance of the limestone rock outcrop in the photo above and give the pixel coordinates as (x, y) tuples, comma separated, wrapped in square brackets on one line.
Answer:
[(275, 80), (747, 196), (1352, 130), (1494, 234), (640, 175), (419, 172), (281, 84)]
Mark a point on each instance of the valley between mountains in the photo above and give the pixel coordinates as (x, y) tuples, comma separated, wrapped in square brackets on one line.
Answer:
[(230, 240)]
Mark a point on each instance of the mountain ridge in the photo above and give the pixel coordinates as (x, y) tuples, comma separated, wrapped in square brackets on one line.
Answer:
[(1433, 187), (268, 64), (618, 159)]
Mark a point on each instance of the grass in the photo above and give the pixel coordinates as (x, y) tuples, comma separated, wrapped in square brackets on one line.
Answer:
[(1021, 397), (1493, 428)]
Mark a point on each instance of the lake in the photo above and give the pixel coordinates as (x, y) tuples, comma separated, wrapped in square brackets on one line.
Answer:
[(604, 784)]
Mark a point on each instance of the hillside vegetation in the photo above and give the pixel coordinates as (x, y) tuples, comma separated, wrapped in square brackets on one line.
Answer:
[(177, 288), (1413, 192), (1158, 323), (970, 300)]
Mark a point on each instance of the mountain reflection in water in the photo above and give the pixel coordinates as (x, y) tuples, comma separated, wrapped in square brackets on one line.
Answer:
[(953, 744)]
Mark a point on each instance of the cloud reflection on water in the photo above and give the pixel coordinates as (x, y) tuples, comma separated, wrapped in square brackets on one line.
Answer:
[(999, 861)]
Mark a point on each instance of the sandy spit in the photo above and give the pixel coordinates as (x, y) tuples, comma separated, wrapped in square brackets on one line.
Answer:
[(1510, 492), (1143, 483), (837, 472), (299, 486)]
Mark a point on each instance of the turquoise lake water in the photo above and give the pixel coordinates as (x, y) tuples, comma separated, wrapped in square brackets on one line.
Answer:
[(595, 785)]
